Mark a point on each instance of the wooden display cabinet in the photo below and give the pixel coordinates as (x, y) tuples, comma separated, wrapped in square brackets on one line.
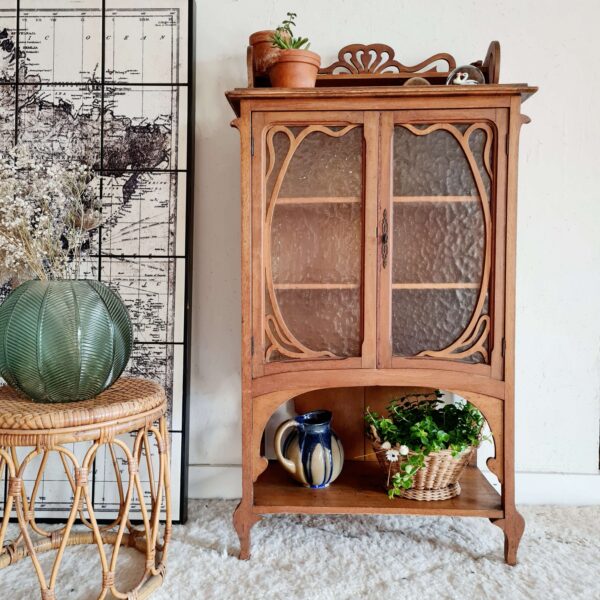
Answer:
[(378, 251)]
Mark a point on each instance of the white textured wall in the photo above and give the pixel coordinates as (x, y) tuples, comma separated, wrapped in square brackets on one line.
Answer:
[(548, 44)]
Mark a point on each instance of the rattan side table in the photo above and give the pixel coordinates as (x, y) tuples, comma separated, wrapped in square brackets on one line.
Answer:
[(134, 406)]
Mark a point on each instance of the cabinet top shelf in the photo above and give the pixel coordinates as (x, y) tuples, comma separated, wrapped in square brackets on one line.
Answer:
[(236, 96)]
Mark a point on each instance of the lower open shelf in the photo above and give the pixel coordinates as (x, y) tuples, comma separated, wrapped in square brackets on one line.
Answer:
[(359, 490)]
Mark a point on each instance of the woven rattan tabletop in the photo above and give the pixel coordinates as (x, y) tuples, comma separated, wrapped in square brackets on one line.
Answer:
[(127, 399)]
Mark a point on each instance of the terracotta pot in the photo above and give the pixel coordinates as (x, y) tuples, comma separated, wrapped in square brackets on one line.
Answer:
[(295, 69), (264, 54)]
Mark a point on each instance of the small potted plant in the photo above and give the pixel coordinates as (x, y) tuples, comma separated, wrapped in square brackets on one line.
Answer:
[(264, 53), (424, 445), (296, 65)]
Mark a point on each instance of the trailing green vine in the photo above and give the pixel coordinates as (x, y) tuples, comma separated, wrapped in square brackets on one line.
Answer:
[(410, 432)]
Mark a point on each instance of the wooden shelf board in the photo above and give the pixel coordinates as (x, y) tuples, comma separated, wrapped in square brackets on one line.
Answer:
[(359, 490), (316, 286), (387, 78), (320, 200), (396, 286), (418, 199), (369, 92), (436, 286)]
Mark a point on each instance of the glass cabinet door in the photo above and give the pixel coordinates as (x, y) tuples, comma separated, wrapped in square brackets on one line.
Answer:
[(312, 231), (440, 240)]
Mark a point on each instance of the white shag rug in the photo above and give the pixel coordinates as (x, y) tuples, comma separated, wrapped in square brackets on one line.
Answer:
[(355, 557)]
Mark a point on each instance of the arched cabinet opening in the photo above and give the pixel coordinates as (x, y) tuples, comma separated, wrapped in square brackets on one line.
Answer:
[(361, 476)]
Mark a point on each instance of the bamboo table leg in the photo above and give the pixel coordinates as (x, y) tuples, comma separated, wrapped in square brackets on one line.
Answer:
[(33, 538)]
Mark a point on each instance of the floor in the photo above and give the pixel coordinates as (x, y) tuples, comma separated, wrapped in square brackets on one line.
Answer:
[(351, 558)]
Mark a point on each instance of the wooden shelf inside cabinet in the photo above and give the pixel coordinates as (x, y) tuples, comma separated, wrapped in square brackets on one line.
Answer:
[(359, 490), (316, 286), (320, 200), (433, 199), (395, 286), (436, 286)]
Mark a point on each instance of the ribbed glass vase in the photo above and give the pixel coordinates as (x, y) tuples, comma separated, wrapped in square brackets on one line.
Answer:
[(63, 341)]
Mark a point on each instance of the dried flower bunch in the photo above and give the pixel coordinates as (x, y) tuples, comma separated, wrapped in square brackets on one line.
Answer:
[(411, 431), (47, 214)]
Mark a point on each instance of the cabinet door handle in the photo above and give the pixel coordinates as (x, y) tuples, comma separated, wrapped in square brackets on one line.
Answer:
[(384, 239)]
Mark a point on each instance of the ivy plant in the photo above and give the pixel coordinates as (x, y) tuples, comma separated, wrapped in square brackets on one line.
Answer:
[(284, 36), (409, 433)]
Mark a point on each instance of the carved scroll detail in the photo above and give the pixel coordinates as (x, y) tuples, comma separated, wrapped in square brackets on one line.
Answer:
[(491, 64), (281, 338), (379, 58), (471, 340)]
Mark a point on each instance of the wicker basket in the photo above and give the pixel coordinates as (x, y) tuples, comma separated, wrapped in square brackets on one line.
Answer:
[(436, 480)]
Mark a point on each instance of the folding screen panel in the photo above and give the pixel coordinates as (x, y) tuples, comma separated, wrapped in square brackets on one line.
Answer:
[(107, 83)]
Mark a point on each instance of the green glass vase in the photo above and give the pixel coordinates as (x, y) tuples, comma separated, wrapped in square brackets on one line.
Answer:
[(63, 341)]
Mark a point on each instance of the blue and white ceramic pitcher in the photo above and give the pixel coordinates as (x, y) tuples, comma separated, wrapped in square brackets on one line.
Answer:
[(312, 453)]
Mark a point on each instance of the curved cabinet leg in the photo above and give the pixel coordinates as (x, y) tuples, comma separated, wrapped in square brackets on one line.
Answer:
[(513, 526), (243, 521)]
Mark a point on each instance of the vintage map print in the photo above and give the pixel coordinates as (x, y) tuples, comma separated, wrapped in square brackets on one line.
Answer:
[(105, 83)]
